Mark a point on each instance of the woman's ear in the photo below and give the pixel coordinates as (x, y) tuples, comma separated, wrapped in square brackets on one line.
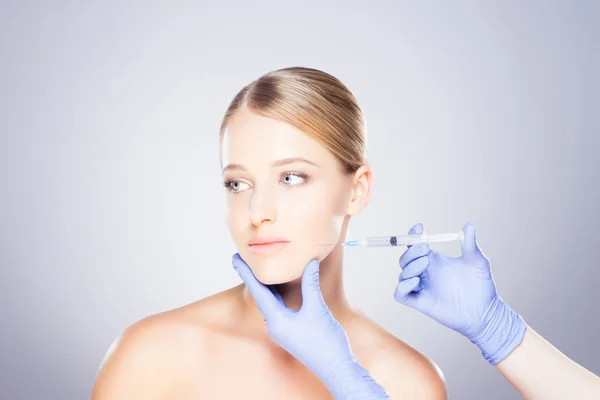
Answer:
[(361, 190)]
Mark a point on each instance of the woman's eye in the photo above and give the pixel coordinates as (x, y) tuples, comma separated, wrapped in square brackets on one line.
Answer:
[(293, 178), (288, 179), (235, 186)]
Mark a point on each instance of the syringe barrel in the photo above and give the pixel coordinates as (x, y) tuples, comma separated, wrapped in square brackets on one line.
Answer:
[(402, 240), (409, 240)]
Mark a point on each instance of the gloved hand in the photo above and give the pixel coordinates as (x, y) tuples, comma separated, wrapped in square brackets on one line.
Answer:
[(460, 293), (312, 335)]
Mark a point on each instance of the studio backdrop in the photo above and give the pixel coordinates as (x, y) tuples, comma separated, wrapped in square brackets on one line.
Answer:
[(112, 207)]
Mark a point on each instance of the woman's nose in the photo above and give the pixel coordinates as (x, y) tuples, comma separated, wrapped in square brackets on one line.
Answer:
[(262, 208)]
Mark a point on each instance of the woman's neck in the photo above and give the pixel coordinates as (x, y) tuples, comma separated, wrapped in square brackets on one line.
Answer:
[(330, 281), (332, 288)]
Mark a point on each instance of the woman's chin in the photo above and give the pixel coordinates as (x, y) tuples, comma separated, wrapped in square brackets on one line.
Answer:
[(274, 273), (277, 269), (277, 277)]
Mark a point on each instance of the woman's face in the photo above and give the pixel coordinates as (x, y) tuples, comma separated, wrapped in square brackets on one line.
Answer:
[(282, 188)]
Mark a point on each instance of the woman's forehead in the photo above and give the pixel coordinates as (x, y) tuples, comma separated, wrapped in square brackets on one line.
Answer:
[(257, 140)]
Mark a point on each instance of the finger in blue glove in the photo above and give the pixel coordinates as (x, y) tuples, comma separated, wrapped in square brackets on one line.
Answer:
[(460, 293)]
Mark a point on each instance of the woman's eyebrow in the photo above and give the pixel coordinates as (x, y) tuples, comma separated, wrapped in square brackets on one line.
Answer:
[(278, 163), (292, 160)]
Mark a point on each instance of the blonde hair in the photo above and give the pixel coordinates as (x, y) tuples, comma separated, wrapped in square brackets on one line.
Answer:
[(312, 101)]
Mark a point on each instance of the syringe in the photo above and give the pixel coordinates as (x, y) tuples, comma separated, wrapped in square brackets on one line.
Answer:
[(402, 240)]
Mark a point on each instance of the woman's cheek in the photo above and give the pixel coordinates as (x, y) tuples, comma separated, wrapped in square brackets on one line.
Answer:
[(321, 220), (236, 218)]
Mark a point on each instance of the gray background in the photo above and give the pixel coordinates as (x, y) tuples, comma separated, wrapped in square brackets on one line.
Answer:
[(111, 205)]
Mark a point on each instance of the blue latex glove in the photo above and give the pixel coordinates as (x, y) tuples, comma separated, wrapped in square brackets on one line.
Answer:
[(312, 335), (460, 293)]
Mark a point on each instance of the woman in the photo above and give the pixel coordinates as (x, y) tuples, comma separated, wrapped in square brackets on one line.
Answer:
[(293, 153)]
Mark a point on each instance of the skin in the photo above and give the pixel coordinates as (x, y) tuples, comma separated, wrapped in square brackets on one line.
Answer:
[(218, 347), (537, 370)]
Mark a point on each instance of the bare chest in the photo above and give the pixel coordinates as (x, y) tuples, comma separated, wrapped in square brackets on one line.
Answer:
[(251, 375)]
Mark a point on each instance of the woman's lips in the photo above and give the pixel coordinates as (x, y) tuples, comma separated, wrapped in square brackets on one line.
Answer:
[(265, 249)]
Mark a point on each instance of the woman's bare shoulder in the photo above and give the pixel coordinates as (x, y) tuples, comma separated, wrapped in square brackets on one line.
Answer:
[(403, 371), (156, 351)]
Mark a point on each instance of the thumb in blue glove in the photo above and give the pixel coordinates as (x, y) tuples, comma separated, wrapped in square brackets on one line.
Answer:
[(311, 335), (460, 293)]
